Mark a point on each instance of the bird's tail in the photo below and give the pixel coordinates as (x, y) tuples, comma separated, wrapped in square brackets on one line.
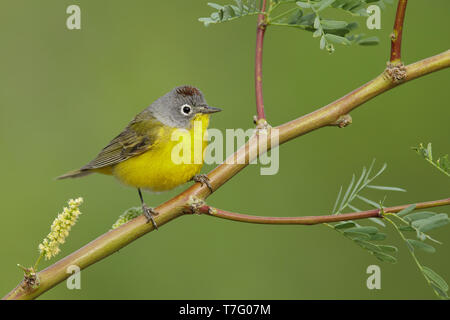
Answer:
[(75, 174)]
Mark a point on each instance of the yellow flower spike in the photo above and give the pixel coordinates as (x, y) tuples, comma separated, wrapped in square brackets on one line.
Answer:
[(60, 228)]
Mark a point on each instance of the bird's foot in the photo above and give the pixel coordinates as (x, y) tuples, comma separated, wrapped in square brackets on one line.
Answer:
[(149, 213), (203, 179)]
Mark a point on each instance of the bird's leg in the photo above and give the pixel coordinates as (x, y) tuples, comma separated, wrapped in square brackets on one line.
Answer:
[(203, 179), (148, 212)]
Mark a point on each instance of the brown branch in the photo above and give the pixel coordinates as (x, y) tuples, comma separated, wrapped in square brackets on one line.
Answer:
[(116, 239), (310, 220), (260, 31), (396, 36)]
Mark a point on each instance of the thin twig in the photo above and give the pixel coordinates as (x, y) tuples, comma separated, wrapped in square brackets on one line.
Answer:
[(260, 31), (310, 220), (396, 36)]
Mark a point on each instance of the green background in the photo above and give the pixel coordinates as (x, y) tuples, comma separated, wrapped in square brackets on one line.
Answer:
[(65, 94)]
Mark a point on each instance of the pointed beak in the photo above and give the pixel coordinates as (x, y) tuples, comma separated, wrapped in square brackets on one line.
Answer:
[(208, 109)]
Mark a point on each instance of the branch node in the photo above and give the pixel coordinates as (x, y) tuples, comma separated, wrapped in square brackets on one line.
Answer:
[(395, 71), (194, 204), (262, 25), (343, 121), (30, 278), (261, 123)]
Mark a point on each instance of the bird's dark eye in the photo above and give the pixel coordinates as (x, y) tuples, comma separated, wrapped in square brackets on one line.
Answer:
[(186, 109)]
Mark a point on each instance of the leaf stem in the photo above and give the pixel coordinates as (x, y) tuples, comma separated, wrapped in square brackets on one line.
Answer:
[(288, 25), (437, 167), (410, 251)]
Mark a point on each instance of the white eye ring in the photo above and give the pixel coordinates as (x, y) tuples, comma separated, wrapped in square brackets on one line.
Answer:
[(186, 109)]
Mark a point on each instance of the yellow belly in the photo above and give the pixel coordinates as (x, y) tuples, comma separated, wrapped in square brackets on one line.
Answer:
[(157, 169)]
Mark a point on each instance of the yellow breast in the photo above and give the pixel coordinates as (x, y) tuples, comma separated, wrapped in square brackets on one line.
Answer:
[(173, 159)]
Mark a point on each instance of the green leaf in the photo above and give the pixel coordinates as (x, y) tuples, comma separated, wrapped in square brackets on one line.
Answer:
[(387, 248), (357, 235), (337, 200), (406, 228), (252, 6), (337, 39), (386, 188), (307, 20), (407, 210), (433, 222), (295, 17), (353, 208), (352, 26), (442, 294), (419, 215), (333, 24), (370, 202), (383, 168), (366, 179), (429, 152), (368, 230), (371, 41), (344, 199), (316, 22), (385, 257), (228, 12), (434, 277), (367, 245), (317, 33), (378, 236), (240, 6), (324, 4), (421, 245), (304, 5), (322, 43), (356, 7), (206, 21), (356, 189), (344, 225)]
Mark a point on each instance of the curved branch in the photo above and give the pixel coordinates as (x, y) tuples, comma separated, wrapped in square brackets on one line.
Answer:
[(396, 36), (311, 220), (116, 239)]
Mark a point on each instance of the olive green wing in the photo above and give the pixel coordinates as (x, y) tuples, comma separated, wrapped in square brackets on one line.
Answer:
[(139, 136)]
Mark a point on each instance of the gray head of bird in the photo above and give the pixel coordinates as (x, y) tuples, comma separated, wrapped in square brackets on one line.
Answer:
[(178, 107)]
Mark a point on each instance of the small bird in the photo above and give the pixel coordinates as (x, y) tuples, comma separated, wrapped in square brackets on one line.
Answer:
[(141, 155)]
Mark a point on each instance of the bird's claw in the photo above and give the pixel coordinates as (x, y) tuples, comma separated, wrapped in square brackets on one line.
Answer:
[(149, 213), (203, 179)]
